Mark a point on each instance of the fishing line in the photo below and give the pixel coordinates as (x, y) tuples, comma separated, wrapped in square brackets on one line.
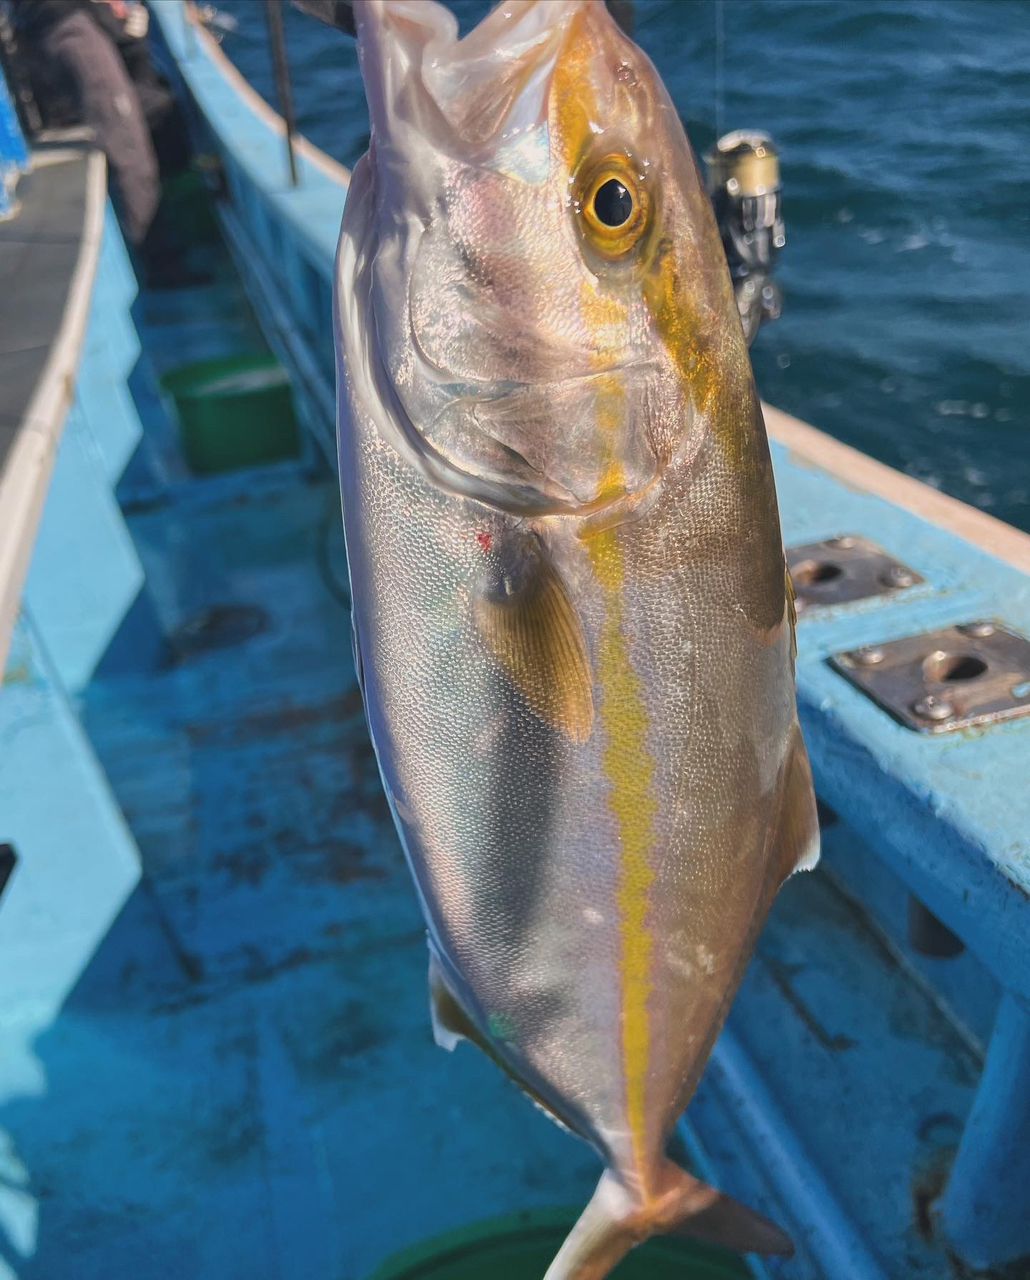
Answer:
[(720, 48)]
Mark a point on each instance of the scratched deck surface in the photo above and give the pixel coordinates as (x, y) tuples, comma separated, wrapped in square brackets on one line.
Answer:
[(244, 1083), (260, 1098)]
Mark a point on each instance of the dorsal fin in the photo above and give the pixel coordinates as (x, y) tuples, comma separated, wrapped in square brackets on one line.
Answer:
[(792, 615)]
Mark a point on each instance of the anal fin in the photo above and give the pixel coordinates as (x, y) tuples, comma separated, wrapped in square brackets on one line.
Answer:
[(451, 1025)]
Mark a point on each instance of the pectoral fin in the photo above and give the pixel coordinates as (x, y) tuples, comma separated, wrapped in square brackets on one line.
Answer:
[(530, 626), (797, 833)]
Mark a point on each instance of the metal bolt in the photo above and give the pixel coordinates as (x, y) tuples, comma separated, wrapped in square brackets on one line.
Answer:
[(931, 708), (869, 656), (897, 576), (978, 629)]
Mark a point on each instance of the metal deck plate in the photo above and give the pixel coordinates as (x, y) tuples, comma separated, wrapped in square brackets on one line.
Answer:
[(843, 569), (940, 681)]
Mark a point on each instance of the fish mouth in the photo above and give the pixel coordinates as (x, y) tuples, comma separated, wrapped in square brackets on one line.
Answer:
[(421, 76)]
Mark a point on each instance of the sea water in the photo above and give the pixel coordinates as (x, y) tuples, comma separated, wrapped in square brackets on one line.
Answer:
[(904, 129)]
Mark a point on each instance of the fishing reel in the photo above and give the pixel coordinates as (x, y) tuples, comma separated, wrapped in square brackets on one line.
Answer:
[(744, 184)]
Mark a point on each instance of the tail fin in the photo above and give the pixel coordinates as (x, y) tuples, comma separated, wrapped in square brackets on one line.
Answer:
[(614, 1222)]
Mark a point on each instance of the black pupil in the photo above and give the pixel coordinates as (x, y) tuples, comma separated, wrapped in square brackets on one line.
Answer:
[(612, 203)]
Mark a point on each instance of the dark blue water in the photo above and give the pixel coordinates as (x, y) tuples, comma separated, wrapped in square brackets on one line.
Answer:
[(904, 127)]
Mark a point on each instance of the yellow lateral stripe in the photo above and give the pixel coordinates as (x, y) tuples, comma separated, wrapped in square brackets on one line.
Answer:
[(626, 761), (629, 769), (627, 764)]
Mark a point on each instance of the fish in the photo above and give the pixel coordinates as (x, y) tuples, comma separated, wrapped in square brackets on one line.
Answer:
[(572, 618)]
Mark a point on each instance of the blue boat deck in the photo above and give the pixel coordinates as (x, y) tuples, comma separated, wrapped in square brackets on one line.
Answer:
[(244, 1082), (215, 1051)]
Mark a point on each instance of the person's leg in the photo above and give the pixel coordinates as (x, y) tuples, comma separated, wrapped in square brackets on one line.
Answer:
[(111, 107)]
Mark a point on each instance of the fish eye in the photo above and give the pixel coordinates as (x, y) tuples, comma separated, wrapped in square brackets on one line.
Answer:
[(613, 207), (613, 204)]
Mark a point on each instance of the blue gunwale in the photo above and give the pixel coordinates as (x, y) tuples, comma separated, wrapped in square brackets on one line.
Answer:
[(26, 468)]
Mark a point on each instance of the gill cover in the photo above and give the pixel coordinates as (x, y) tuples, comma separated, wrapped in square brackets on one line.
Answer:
[(495, 322)]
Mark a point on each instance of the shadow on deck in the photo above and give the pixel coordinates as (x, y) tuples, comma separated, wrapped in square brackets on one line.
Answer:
[(244, 1083)]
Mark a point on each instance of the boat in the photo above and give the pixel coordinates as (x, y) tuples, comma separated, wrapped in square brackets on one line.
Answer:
[(215, 1053)]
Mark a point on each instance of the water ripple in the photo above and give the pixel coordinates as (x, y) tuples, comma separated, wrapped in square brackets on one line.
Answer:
[(907, 174)]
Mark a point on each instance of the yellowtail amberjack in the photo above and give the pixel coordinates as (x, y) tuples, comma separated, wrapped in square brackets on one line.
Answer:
[(570, 602)]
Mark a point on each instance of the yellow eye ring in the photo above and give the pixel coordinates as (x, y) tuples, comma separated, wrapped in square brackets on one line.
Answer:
[(614, 208)]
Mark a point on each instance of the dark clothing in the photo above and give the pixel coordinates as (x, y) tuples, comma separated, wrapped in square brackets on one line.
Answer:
[(58, 103), (168, 130), (88, 65), (74, 45), (33, 16)]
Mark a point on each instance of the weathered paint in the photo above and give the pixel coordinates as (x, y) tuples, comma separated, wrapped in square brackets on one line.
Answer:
[(77, 862), (949, 816)]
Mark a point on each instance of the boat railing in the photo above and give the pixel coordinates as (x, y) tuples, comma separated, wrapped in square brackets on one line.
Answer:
[(283, 232), (72, 594), (39, 391)]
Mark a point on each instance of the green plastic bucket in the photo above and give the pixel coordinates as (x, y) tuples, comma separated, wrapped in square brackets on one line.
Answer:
[(523, 1247), (186, 205), (233, 412)]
